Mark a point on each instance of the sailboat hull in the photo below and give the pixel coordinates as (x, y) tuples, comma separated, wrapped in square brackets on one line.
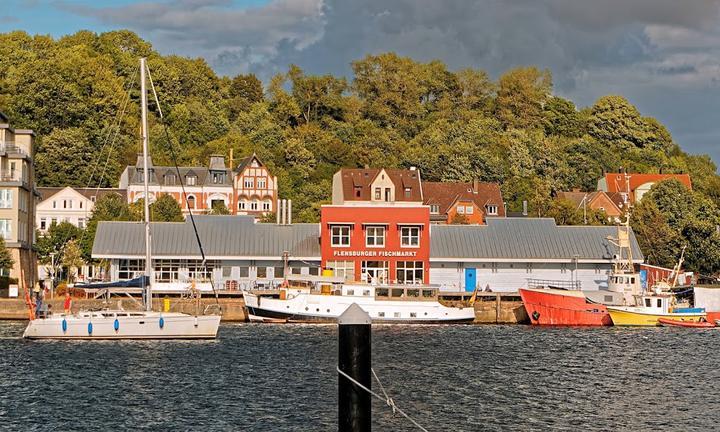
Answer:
[(124, 325)]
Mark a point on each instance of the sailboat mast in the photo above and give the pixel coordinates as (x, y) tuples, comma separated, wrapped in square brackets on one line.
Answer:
[(146, 188)]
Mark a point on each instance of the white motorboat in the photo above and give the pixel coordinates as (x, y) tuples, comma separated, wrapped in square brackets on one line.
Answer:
[(121, 324), (401, 304)]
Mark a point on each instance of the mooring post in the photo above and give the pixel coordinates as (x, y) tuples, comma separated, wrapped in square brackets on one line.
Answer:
[(354, 359)]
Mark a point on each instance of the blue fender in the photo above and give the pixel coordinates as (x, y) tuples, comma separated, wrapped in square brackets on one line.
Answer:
[(89, 328), (64, 325), (161, 322), (116, 325)]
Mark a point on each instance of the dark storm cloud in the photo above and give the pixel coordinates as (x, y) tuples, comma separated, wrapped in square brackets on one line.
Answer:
[(645, 49)]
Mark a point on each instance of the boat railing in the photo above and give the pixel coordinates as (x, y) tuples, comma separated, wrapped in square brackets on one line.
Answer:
[(557, 284)]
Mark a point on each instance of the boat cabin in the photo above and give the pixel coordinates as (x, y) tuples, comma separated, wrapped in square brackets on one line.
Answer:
[(628, 284)]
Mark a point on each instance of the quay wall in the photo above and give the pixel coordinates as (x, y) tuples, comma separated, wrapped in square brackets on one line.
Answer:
[(490, 308)]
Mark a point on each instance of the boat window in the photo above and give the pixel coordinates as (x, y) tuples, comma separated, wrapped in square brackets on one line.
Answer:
[(413, 293), (397, 292), (647, 303), (397, 314), (413, 314), (608, 299), (659, 302), (381, 314), (632, 280), (351, 292), (366, 292), (381, 292), (428, 293)]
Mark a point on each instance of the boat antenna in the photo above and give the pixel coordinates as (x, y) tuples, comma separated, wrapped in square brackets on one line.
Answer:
[(146, 188), (182, 185)]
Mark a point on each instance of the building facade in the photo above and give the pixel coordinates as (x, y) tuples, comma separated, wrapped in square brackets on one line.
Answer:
[(204, 186), (255, 190), (17, 199), (68, 204), (598, 201), (467, 203)]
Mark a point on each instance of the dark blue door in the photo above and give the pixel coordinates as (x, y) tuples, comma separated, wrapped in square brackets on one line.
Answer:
[(470, 279)]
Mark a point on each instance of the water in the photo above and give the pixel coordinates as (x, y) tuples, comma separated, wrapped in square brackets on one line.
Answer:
[(449, 378)]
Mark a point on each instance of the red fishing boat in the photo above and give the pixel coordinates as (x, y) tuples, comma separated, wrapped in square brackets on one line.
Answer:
[(669, 322), (548, 306)]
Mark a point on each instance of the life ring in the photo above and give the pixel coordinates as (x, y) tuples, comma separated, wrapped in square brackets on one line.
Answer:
[(536, 315)]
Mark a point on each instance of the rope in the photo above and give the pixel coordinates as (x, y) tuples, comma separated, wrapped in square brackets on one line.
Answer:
[(387, 399), (182, 187)]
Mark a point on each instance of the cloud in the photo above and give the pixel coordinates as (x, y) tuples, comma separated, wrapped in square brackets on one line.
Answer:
[(653, 51), (231, 39), (8, 19)]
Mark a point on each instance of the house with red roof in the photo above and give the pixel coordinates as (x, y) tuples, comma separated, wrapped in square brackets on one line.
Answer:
[(452, 202), (598, 201), (632, 187)]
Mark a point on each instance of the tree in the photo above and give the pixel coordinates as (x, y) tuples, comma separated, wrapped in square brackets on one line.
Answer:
[(108, 207), (6, 260), (247, 87), (51, 246), (166, 209), (659, 242), (73, 148), (562, 118), (72, 259), (522, 93), (219, 208)]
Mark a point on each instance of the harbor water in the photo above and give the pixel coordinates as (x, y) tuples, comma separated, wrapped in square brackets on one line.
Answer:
[(449, 378)]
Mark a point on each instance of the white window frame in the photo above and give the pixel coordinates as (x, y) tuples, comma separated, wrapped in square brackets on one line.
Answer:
[(340, 235), (469, 210), (375, 236), (242, 204), (492, 209), (414, 269), (6, 198), (6, 228), (434, 209), (249, 183), (407, 235), (266, 205), (254, 205), (261, 183), (460, 209)]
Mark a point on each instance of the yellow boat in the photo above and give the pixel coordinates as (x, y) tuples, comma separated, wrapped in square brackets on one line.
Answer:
[(653, 308)]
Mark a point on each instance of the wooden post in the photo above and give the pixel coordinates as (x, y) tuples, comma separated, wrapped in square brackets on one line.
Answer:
[(354, 358)]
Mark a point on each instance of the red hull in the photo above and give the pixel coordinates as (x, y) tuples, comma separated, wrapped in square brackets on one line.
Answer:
[(691, 324), (554, 307)]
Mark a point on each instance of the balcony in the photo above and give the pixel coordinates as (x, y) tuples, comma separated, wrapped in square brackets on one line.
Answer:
[(15, 177), (7, 148)]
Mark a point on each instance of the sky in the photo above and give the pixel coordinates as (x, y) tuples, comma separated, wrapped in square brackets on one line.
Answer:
[(663, 55)]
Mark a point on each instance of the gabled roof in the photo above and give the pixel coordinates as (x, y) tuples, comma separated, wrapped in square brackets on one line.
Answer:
[(445, 194), (245, 162), (526, 238), (362, 178), (48, 192), (221, 236), (615, 182)]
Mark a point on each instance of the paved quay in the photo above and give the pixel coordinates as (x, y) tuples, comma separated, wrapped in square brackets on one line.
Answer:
[(490, 308)]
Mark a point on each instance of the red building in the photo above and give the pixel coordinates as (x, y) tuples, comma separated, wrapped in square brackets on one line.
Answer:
[(377, 227)]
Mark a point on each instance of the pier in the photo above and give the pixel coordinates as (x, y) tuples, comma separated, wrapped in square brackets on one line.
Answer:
[(490, 308)]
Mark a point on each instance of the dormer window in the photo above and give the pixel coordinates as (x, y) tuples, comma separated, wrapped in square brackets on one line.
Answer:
[(408, 192), (170, 179), (492, 209), (378, 194), (191, 180), (218, 177), (434, 209)]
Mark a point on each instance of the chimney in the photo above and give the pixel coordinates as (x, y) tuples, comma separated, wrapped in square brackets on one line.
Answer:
[(217, 162), (525, 208), (476, 186), (139, 163)]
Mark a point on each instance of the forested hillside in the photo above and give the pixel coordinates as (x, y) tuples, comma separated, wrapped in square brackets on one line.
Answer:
[(394, 111)]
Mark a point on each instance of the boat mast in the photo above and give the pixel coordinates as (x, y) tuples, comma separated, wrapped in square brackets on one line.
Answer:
[(146, 188)]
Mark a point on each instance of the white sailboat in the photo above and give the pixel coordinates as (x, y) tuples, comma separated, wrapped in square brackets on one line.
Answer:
[(121, 324)]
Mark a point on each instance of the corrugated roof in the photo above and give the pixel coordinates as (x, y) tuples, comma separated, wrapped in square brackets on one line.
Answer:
[(221, 236), (525, 238)]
